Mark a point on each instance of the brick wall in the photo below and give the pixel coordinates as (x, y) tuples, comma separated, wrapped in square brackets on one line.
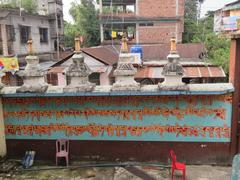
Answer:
[(160, 8), (160, 33)]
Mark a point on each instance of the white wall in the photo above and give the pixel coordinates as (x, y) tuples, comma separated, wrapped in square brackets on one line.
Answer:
[(35, 23), (104, 77), (92, 64)]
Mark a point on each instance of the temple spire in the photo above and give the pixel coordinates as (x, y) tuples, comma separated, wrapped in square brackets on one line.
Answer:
[(125, 72), (30, 46), (173, 46), (124, 48), (173, 71), (33, 76), (78, 73), (77, 45)]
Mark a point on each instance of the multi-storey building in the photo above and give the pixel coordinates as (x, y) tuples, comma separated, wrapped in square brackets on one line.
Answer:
[(144, 21), (45, 28), (227, 19)]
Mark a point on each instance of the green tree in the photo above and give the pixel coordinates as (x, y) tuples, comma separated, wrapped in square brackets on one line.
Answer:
[(218, 49), (190, 20), (201, 31), (86, 23), (29, 5), (10, 4), (70, 31)]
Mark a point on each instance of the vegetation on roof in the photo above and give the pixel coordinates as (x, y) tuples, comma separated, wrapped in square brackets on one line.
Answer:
[(29, 6)]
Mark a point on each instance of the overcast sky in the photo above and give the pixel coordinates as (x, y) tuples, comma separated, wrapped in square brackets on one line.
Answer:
[(207, 6)]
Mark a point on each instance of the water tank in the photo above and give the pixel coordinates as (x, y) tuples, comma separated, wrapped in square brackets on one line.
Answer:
[(137, 49)]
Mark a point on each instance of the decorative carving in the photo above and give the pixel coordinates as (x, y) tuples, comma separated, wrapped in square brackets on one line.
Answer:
[(1, 84), (125, 71), (173, 71), (78, 73), (33, 77), (78, 68), (173, 67)]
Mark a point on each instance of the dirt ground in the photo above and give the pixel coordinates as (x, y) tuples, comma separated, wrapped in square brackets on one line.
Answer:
[(115, 173)]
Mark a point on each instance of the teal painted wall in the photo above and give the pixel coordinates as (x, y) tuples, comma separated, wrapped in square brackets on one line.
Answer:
[(199, 118)]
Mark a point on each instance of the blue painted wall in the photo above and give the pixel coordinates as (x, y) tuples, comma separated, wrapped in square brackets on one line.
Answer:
[(183, 118)]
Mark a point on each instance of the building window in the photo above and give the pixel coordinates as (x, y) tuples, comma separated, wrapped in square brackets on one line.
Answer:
[(25, 34), (146, 24), (59, 21), (43, 35), (52, 79), (95, 78), (10, 33)]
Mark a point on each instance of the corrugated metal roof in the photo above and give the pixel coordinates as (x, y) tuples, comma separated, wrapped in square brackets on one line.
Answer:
[(56, 70), (190, 72), (105, 54), (157, 52), (232, 6)]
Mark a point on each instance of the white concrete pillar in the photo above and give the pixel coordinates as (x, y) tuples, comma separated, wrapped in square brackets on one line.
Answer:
[(101, 32), (177, 7), (137, 7), (137, 33), (4, 40), (3, 147), (100, 6)]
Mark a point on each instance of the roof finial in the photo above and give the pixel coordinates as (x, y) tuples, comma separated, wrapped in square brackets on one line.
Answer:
[(77, 45), (173, 45), (124, 48), (30, 46)]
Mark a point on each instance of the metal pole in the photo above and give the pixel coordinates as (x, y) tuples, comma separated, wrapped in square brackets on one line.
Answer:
[(56, 17), (20, 7)]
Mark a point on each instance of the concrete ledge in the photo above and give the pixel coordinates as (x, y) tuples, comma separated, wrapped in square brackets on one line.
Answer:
[(148, 90)]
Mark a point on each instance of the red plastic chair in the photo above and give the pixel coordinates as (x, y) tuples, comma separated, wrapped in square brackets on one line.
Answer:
[(62, 149), (176, 165)]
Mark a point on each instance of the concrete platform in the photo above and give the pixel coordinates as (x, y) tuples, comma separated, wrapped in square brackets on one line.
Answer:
[(118, 173)]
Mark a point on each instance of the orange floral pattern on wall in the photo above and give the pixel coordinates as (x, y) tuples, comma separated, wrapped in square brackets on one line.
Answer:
[(123, 114), (119, 100), (192, 118), (119, 131)]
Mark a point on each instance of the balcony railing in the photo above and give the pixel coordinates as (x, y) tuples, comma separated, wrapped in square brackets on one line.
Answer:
[(118, 15)]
